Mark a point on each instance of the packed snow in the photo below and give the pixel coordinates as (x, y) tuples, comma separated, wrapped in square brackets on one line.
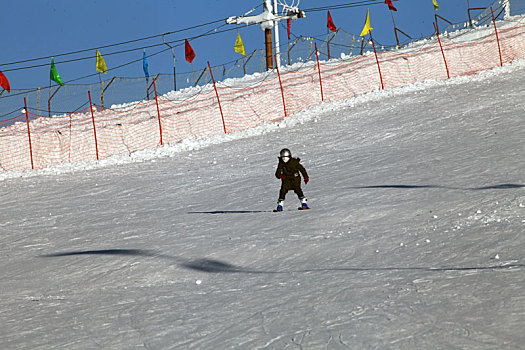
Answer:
[(414, 240)]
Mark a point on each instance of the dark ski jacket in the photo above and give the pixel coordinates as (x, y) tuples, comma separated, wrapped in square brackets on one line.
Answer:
[(290, 170)]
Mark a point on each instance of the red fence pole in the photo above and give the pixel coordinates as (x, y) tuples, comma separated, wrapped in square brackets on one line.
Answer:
[(319, 70), (281, 85), (29, 134), (497, 37), (94, 127), (70, 130), (158, 111), (377, 60), (218, 99), (442, 52)]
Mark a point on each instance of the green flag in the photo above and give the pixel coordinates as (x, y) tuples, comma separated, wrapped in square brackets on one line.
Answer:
[(53, 75)]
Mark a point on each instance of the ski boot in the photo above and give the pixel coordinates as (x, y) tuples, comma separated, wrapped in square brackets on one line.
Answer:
[(304, 205), (279, 206)]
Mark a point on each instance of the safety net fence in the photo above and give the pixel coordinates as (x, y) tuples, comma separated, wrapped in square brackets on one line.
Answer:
[(32, 141)]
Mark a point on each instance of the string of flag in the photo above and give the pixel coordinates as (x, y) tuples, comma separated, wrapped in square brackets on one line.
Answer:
[(190, 55)]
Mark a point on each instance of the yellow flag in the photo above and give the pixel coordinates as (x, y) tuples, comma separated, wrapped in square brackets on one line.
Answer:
[(367, 27), (436, 6), (239, 46), (101, 64)]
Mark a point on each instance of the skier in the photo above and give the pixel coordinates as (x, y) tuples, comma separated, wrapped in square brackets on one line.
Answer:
[(288, 171)]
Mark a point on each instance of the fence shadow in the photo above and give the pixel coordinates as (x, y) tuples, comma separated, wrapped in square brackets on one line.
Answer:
[(492, 187), (130, 252), (230, 212), (217, 266)]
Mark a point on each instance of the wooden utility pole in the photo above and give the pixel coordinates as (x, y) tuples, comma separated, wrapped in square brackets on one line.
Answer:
[(268, 46)]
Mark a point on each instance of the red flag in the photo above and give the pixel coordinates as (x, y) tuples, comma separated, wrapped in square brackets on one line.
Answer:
[(289, 26), (4, 82), (190, 54), (330, 24), (390, 6)]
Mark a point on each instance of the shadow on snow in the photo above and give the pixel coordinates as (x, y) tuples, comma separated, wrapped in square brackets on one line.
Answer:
[(493, 187), (132, 252), (405, 187), (229, 212), (216, 266)]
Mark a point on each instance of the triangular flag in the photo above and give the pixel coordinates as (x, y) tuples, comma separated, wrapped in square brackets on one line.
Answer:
[(101, 64), (4, 82), (390, 5), (289, 27), (190, 54), (239, 46), (367, 27), (53, 74), (330, 24), (145, 65), (436, 6)]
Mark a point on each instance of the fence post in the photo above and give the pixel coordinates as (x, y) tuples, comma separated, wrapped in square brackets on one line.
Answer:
[(442, 52), (49, 101), (218, 99), (328, 42), (29, 134), (319, 70), (497, 37), (158, 111), (377, 60), (204, 71), (70, 130), (281, 85), (94, 127)]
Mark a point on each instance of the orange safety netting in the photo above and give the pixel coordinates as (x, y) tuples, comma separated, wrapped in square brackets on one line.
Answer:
[(33, 141)]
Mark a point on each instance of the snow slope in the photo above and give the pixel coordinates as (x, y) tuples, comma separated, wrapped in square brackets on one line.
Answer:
[(415, 239)]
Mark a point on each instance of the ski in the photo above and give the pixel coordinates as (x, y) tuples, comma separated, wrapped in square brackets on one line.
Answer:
[(300, 208)]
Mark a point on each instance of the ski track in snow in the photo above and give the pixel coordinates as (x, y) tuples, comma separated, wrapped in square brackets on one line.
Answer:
[(415, 239)]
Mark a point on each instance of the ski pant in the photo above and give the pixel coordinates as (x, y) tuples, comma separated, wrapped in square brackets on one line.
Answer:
[(291, 185)]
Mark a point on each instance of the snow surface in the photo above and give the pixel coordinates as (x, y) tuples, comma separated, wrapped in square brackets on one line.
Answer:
[(414, 241)]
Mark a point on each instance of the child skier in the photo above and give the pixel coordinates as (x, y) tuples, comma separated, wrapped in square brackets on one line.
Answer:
[(288, 171)]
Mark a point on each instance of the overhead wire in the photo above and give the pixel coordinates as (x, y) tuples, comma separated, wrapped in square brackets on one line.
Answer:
[(113, 45), (335, 7), (176, 43), (346, 5)]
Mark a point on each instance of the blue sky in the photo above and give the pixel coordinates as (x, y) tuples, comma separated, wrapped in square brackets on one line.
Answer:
[(40, 28)]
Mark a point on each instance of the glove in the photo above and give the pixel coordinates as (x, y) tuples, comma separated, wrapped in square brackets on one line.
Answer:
[(306, 179), (281, 176)]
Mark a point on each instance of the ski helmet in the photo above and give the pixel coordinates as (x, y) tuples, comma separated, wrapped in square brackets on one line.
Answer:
[(285, 154)]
